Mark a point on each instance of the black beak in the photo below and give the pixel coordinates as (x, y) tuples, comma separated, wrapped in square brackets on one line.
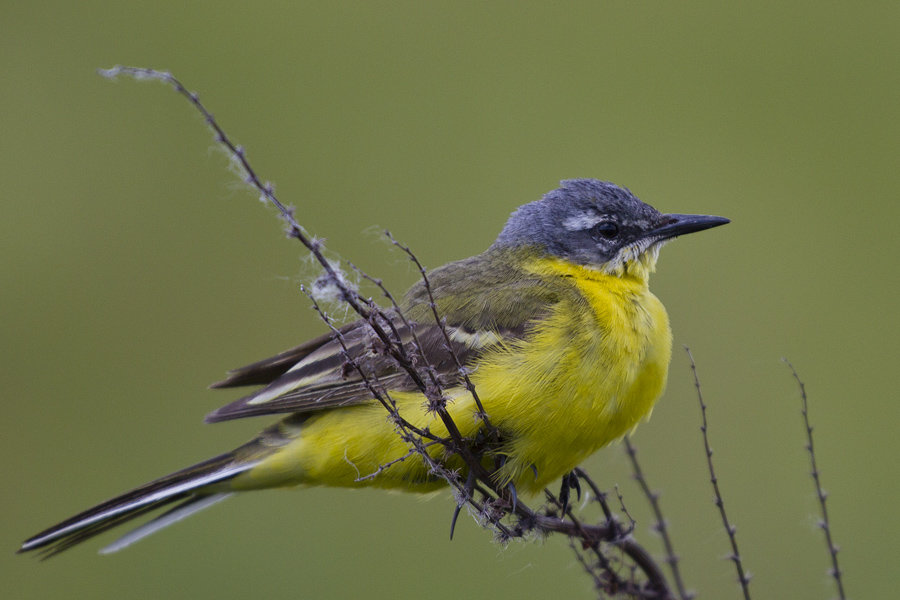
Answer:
[(675, 225)]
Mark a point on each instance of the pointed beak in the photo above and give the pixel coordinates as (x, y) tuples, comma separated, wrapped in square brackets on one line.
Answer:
[(675, 225)]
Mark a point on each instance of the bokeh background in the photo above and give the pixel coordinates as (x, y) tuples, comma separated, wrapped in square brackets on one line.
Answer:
[(136, 268)]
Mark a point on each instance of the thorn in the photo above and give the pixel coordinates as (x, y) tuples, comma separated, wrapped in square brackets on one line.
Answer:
[(453, 521), (468, 488)]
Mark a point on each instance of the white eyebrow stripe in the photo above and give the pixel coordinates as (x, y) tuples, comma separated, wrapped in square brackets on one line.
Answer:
[(581, 221)]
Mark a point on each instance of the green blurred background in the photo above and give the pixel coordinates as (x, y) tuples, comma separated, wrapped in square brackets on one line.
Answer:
[(136, 268)]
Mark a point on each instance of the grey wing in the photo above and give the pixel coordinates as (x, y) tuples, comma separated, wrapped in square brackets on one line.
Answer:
[(266, 371), (500, 307), (317, 375)]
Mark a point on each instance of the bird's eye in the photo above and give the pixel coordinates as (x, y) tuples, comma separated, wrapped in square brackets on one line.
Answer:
[(605, 230)]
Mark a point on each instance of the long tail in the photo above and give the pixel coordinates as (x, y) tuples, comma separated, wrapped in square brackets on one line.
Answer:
[(193, 488)]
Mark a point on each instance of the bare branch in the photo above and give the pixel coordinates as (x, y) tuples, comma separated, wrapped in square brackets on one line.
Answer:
[(624, 509), (659, 588), (416, 343), (661, 524), (743, 578), (820, 493), (482, 414), (371, 382), (375, 317), (382, 468)]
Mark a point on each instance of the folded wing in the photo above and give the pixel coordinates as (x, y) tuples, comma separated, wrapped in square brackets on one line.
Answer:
[(321, 374)]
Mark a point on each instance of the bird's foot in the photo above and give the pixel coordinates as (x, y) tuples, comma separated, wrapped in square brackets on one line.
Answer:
[(569, 482)]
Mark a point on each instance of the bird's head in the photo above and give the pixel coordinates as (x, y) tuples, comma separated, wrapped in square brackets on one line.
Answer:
[(598, 225)]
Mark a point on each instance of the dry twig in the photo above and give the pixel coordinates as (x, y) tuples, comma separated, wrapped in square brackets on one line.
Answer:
[(820, 493), (661, 524), (743, 577)]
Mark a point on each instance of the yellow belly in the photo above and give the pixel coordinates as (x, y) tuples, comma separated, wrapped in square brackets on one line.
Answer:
[(586, 376)]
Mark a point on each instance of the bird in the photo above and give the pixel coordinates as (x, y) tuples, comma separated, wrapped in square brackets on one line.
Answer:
[(554, 324)]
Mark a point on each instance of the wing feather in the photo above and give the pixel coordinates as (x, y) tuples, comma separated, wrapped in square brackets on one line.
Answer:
[(322, 377), (483, 306), (265, 371)]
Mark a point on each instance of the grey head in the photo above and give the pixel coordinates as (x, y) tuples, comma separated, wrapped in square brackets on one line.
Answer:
[(597, 223)]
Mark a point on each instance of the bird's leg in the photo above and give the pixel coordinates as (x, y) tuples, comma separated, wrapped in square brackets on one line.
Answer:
[(513, 495), (499, 462), (569, 482)]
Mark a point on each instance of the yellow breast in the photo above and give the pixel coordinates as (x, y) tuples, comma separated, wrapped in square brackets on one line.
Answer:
[(589, 373)]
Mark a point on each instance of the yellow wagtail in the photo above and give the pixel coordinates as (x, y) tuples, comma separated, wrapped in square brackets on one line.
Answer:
[(566, 346)]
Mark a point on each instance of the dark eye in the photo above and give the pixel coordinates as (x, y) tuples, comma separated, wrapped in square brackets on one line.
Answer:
[(606, 230)]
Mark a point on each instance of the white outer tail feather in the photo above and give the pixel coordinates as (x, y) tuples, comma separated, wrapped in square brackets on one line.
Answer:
[(178, 513), (162, 494)]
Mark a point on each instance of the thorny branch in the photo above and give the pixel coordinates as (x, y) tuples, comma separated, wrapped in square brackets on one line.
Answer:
[(470, 387), (661, 525), (743, 578), (820, 493)]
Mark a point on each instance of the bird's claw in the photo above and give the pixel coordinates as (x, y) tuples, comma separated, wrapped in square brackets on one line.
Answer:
[(569, 482)]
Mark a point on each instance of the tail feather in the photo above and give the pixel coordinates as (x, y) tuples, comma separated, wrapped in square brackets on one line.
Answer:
[(190, 506), (50, 548), (194, 486)]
